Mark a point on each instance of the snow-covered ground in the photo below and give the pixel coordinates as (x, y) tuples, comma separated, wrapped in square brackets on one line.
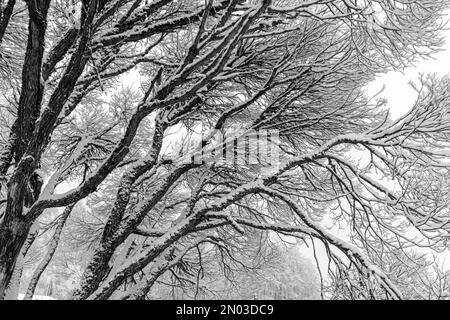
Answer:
[(36, 297)]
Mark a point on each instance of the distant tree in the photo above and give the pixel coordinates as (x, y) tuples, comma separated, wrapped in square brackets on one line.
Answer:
[(263, 270), (416, 275), (70, 132), (287, 276)]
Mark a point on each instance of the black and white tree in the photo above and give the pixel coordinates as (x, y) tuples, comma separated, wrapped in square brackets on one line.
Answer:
[(73, 137)]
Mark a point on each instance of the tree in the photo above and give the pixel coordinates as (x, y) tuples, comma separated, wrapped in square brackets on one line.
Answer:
[(288, 275), (418, 277), (294, 67)]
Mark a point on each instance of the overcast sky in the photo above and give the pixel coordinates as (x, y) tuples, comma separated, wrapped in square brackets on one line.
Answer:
[(399, 93)]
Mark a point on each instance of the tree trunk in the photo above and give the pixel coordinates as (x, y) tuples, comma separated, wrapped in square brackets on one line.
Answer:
[(96, 271), (13, 235), (15, 227), (5, 16), (14, 285), (49, 255)]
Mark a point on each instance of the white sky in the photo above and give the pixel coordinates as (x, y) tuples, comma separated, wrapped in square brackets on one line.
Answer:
[(397, 90)]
